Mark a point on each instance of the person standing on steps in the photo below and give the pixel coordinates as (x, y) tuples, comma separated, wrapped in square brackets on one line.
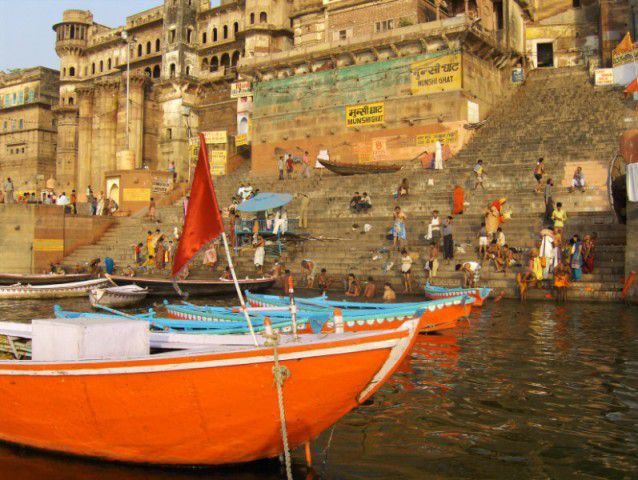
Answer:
[(406, 268), (8, 191), (539, 170), (281, 164), (303, 210), (399, 233), (438, 156), (305, 165), (559, 217), (290, 166), (260, 253), (479, 174), (549, 201), (448, 240)]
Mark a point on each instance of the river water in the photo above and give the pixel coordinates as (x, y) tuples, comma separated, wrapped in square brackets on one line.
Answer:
[(526, 391)]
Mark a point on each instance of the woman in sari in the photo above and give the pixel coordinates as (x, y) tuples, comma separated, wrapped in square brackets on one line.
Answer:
[(458, 199), (588, 254), (160, 253), (576, 258), (491, 220)]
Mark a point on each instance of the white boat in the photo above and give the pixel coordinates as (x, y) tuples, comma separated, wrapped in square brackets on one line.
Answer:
[(117, 297), (62, 290)]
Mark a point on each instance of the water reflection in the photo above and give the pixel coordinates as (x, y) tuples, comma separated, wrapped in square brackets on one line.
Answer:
[(534, 390)]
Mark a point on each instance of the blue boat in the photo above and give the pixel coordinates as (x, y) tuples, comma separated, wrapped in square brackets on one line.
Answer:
[(436, 293)]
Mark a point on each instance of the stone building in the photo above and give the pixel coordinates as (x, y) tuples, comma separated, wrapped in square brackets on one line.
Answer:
[(27, 127), (367, 81)]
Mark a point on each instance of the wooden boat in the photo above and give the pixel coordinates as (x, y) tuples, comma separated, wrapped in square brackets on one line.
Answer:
[(343, 168), (42, 279), (117, 297), (322, 302), (72, 289), (195, 407), (433, 316), (435, 293), (164, 286)]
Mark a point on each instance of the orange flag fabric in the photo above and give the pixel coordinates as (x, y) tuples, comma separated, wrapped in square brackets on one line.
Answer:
[(203, 221), (625, 45)]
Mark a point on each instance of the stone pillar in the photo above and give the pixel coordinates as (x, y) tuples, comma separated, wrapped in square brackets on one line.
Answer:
[(66, 154), (631, 249), (85, 132), (104, 128), (136, 118)]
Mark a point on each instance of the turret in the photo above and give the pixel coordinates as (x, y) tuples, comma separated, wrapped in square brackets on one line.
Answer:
[(71, 41), (179, 58)]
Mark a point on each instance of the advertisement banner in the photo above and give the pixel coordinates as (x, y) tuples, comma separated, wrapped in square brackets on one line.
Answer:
[(604, 76), (241, 140), (215, 137), (440, 74), (429, 139), (365, 114), (379, 150), (240, 89), (217, 159)]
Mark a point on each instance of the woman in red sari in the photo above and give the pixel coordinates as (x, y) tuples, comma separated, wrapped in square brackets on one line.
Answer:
[(458, 200), (587, 252), (498, 204)]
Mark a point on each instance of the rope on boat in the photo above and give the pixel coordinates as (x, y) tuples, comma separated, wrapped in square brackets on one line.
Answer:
[(281, 374)]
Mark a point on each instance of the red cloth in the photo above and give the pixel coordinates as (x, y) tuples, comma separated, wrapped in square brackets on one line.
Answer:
[(203, 221), (459, 198)]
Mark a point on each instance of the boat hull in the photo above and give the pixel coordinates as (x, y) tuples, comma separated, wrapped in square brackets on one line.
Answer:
[(116, 297), (164, 287), (356, 169), (66, 290), (478, 294), (194, 409), (44, 279)]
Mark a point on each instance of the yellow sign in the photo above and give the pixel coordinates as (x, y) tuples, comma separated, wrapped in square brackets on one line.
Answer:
[(48, 245), (241, 140), (136, 195), (215, 137), (217, 159), (430, 138), (365, 114), (441, 74), (604, 76)]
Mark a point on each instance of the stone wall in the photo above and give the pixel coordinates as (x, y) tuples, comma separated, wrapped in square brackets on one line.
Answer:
[(631, 251)]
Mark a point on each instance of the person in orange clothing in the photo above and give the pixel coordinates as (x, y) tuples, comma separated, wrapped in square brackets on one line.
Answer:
[(458, 200), (561, 281)]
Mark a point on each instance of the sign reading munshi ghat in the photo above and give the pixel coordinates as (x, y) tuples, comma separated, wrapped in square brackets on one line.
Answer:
[(440, 74), (365, 114)]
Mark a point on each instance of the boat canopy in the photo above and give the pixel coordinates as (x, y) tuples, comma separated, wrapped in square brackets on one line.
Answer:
[(265, 201)]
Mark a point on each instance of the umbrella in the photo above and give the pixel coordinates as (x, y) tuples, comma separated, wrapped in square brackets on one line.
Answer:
[(265, 201)]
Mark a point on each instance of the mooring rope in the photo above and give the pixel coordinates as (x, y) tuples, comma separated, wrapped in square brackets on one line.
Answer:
[(281, 374)]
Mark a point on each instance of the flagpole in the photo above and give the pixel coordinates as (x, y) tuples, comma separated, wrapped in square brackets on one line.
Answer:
[(239, 294)]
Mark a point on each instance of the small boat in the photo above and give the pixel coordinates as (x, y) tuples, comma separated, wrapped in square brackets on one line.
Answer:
[(196, 407), (117, 297), (63, 290), (435, 293), (343, 168), (164, 286), (42, 279)]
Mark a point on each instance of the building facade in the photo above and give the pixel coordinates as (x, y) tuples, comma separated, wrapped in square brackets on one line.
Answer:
[(28, 138), (367, 81)]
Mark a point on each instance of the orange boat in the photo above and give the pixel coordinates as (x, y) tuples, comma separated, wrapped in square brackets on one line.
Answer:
[(195, 408)]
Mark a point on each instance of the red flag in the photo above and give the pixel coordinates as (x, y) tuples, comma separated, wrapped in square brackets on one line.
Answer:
[(632, 87), (203, 221)]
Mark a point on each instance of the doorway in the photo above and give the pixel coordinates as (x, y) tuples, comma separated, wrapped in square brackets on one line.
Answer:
[(545, 54)]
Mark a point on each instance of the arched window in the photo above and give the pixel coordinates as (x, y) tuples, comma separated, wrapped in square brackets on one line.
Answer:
[(72, 31), (189, 34), (172, 70), (117, 61), (147, 72), (234, 59), (70, 102), (148, 48), (64, 72), (214, 64), (101, 66), (236, 27), (139, 50), (204, 37), (263, 17), (215, 34), (71, 71), (252, 18), (188, 70), (225, 61), (156, 71), (157, 45), (225, 31), (204, 65), (93, 68), (108, 64)]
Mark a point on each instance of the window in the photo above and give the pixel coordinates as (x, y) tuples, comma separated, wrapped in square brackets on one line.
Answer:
[(71, 71), (13, 124), (189, 34), (215, 34), (169, 133), (172, 35), (263, 17), (225, 61), (498, 12), (101, 66), (70, 100), (225, 31), (156, 71), (93, 68), (139, 50), (173, 69), (204, 37), (234, 59), (384, 26), (252, 18), (157, 45), (214, 64), (188, 70), (21, 98), (235, 27), (86, 71), (7, 101), (15, 99), (72, 31), (343, 34), (108, 64), (31, 96), (148, 48)]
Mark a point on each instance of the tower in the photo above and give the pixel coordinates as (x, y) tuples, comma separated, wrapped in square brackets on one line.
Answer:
[(179, 59)]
